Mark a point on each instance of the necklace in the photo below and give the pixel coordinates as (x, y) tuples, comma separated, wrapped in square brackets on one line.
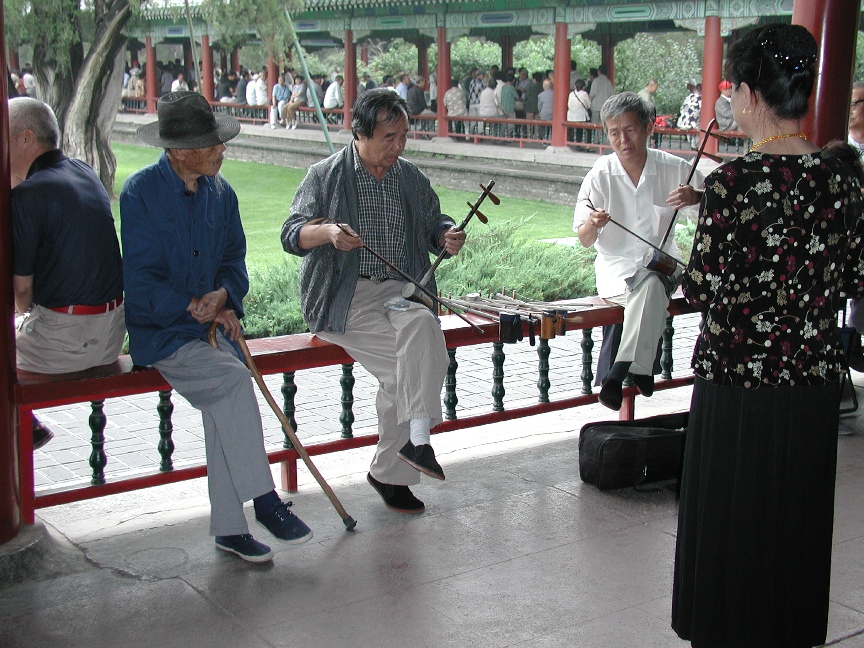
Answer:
[(777, 137)]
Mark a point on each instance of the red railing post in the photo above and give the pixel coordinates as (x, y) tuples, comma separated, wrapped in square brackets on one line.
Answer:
[(10, 497)]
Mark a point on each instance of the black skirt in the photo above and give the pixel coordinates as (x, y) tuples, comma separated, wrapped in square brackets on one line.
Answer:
[(753, 553)]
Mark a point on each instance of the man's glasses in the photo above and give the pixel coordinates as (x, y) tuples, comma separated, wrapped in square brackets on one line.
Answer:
[(855, 103)]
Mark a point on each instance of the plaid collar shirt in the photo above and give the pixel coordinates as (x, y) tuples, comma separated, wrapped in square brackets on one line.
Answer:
[(382, 222)]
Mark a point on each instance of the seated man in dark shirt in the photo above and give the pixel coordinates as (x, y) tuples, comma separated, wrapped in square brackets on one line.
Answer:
[(68, 276)]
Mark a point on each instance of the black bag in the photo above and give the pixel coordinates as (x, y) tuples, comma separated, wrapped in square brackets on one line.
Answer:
[(617, 454)]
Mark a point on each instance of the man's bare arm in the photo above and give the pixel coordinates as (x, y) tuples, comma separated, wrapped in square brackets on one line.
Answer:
[(23, 287)]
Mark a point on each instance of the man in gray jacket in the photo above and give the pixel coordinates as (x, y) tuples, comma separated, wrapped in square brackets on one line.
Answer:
[(367, 198)]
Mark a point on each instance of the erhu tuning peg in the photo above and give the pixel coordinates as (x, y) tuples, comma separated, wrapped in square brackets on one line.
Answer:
[(488, 192)]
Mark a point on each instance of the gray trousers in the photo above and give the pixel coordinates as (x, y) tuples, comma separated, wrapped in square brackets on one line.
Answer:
[(52, 343), (218, 384), (405, 350)]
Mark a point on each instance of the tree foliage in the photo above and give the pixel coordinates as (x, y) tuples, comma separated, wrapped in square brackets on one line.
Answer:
[(670, 58), (267, 17)]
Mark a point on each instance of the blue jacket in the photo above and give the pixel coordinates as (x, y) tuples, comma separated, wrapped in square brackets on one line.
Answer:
[(176, 247)]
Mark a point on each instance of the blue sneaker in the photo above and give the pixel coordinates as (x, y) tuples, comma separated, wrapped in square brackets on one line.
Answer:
[(283, 524), (245, 546)]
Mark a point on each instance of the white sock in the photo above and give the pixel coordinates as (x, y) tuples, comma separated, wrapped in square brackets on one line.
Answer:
[(420, 431)]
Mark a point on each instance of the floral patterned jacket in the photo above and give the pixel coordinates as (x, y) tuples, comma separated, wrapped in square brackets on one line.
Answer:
[(778, 240)]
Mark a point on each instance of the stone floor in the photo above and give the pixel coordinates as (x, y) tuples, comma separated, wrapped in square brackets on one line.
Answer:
[(513, 550)]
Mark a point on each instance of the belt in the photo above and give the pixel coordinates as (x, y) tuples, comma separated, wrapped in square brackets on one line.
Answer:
[(375, 279), (84, 309)]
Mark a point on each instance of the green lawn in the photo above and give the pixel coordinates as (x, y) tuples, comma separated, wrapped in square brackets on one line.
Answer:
[(265, 193)]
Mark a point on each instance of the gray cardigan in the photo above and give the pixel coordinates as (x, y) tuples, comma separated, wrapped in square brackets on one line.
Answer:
[(328, 277)]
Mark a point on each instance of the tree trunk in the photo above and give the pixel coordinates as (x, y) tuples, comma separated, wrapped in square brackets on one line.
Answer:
[(86, 97)]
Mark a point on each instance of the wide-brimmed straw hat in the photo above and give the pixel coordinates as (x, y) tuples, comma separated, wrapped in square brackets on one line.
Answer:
[(186, 121)]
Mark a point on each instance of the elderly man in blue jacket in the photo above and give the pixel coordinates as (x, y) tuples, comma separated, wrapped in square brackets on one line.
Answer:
[(184, 260), (366, 197)]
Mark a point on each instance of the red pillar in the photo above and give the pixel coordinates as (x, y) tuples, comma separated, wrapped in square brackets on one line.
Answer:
[(443, 80), (206, 80), (150, 81), (223, 61), (561, 74), (188, 61), (349, 90), (14, 63), (364, 55), (235, 59), (506, 53), (272, 76), (423, 57), (10, 497), (607, 55), (712, 72), (834, 24)]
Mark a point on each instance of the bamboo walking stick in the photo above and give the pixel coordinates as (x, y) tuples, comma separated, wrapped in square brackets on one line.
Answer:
[(349, 522)]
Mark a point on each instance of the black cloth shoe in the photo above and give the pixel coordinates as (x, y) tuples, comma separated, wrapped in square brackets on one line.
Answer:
[(422, 458), (245, 546), (398, 498), (610, 394), (645, 384), (41, 434), (283, 524)]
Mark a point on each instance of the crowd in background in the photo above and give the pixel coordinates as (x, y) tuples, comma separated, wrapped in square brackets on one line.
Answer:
[(510, 94)]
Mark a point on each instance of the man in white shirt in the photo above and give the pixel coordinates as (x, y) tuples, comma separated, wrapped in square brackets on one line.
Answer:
[(601, 90), (640, 189), (179, 84), (261, 89), (333, 96)]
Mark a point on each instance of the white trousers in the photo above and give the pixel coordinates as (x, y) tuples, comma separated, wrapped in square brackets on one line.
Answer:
[(406, 352), (645, 313), (276, 112), (218, 384)]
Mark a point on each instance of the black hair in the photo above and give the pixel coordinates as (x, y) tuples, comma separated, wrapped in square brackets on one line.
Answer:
[(372, 102), (492, 84), (777, 62), (846, 154), (537, 76)]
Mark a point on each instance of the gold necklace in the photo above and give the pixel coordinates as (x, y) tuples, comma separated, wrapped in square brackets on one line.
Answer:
[(777, 137)]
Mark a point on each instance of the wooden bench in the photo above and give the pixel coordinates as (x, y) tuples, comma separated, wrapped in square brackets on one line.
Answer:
[(288, 354)]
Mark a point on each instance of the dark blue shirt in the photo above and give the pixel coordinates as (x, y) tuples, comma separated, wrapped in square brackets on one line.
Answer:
[(64, 235), (177, 244)]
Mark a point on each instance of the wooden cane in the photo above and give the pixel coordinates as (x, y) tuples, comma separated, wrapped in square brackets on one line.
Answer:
[(349, 522)]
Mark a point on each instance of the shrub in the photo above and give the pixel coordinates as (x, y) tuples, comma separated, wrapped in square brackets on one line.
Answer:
[(273, 303), (494, 258)]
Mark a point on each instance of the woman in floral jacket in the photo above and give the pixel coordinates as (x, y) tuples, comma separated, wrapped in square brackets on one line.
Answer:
[(779, 238)]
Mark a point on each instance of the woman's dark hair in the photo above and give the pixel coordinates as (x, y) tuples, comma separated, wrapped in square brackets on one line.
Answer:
[(848, 155), (776, 61), (492, 84), (372, 102)]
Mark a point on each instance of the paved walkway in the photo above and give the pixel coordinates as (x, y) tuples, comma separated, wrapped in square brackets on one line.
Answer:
[(513, 550)]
